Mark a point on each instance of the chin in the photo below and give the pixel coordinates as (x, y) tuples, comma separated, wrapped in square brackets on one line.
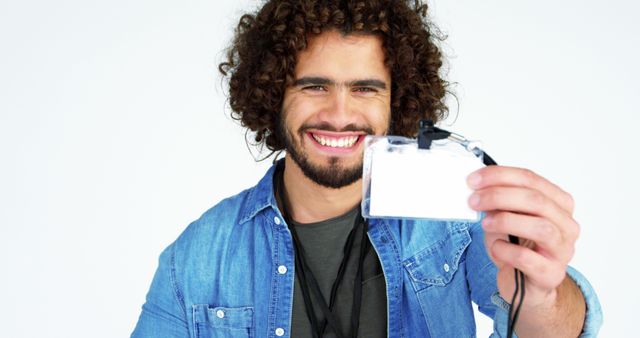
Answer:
[(332, 172)]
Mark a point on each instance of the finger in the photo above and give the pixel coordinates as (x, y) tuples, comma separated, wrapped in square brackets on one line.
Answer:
[(540, 271), (524, 201), (489, 239), (549, 240), (519, 177)]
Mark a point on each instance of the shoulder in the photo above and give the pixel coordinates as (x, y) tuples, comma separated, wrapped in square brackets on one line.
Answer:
[(229, 219), (218, 221), (200, 250)]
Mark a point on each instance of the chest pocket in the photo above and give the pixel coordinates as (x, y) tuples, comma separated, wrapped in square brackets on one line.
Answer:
[(223, 322), (437, 264), (438, 276)]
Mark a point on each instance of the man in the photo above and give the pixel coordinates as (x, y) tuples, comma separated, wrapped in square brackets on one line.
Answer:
[(293, 256)]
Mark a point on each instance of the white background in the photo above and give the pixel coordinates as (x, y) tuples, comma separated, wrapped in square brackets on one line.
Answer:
[(114, 135)]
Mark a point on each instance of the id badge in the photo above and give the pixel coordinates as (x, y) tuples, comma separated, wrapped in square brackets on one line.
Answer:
[(402, 180)]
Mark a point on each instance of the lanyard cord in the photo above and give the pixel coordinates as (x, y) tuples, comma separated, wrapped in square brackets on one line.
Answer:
[(519, 276), (307, 280), (428, 133)]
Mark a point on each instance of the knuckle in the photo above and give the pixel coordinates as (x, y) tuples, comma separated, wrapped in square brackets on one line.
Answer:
[(546, 230), (529, 177), (570, 253), (571, 203), (558, 276), (577, 231), (573, 231), (537, 199)]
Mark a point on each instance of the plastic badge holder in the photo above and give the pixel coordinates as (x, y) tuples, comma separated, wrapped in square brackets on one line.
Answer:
[(400, 180)]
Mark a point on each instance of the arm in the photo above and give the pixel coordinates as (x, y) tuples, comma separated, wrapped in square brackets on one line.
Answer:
[(519, 202), (163, 313), (562, 314)]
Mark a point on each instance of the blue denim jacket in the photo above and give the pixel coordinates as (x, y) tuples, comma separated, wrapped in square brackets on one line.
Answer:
[(231, 274)]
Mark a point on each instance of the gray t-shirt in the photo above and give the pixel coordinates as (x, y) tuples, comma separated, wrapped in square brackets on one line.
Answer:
[(323, 244)]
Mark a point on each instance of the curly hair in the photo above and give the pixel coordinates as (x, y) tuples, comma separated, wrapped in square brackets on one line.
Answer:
[(261, 60)]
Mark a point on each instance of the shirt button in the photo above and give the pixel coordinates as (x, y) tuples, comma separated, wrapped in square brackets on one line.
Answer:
[(446, 267), (276, 220), (282, 269), (220, 314), (279, 332)]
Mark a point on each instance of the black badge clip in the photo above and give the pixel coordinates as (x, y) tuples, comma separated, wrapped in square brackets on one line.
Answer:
[(427, 133)]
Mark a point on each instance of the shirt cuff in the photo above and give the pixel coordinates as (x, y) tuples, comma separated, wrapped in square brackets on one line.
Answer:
[(501, 317), (593, 318)]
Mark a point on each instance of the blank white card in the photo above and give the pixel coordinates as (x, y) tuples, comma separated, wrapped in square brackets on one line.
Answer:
[(422, 184)]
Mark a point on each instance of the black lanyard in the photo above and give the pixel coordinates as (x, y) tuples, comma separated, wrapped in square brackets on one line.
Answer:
[(428, 133), (308, 281)]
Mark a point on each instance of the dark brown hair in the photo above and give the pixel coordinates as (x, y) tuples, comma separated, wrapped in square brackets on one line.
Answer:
[(261, 61)]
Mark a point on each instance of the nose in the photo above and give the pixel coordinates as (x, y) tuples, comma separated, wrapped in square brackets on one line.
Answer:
[(339, 110)]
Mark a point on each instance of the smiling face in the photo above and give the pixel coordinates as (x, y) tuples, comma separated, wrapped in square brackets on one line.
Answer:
[(341, 93)]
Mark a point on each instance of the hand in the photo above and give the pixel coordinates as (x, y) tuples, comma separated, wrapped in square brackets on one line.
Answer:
[(522, 203)]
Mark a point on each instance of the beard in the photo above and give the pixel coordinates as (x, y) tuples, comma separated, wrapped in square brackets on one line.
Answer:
[(335, 174)]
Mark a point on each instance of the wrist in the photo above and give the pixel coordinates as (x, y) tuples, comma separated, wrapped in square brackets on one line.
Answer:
[(559, 313)]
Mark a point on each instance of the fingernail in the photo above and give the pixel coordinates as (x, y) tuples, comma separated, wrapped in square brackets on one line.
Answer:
[(474, 179), (474, 200)]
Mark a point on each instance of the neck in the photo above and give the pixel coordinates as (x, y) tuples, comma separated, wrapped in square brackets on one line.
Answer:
[(309, 202)]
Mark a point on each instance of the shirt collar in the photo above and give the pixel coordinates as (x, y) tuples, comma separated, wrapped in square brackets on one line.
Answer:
[(261, 196)]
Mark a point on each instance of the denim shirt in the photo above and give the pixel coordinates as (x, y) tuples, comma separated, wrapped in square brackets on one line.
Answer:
[(231, 274)]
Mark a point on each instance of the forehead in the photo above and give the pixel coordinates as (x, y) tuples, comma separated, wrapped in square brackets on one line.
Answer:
[(332, 54)]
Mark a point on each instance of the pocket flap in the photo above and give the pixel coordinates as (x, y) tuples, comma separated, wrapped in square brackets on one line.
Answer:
[(240, 318), (437, 264)]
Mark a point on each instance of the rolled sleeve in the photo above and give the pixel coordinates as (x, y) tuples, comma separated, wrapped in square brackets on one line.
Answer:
[(593, 318), (501, 317)]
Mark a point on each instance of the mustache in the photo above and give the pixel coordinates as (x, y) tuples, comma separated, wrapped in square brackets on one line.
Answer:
[(352, 127)]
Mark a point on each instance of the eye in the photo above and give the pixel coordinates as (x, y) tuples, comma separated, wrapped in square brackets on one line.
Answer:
[(365, 90), (314, 88)]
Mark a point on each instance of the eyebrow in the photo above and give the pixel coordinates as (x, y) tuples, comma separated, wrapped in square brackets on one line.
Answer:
[(369, 83), (316, 80)]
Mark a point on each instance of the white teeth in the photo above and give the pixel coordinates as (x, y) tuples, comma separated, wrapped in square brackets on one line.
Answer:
[(343, 142)]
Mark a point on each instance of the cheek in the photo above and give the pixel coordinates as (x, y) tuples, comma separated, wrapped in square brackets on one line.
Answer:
[(294, 111), (380, 116), (303, 110)]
